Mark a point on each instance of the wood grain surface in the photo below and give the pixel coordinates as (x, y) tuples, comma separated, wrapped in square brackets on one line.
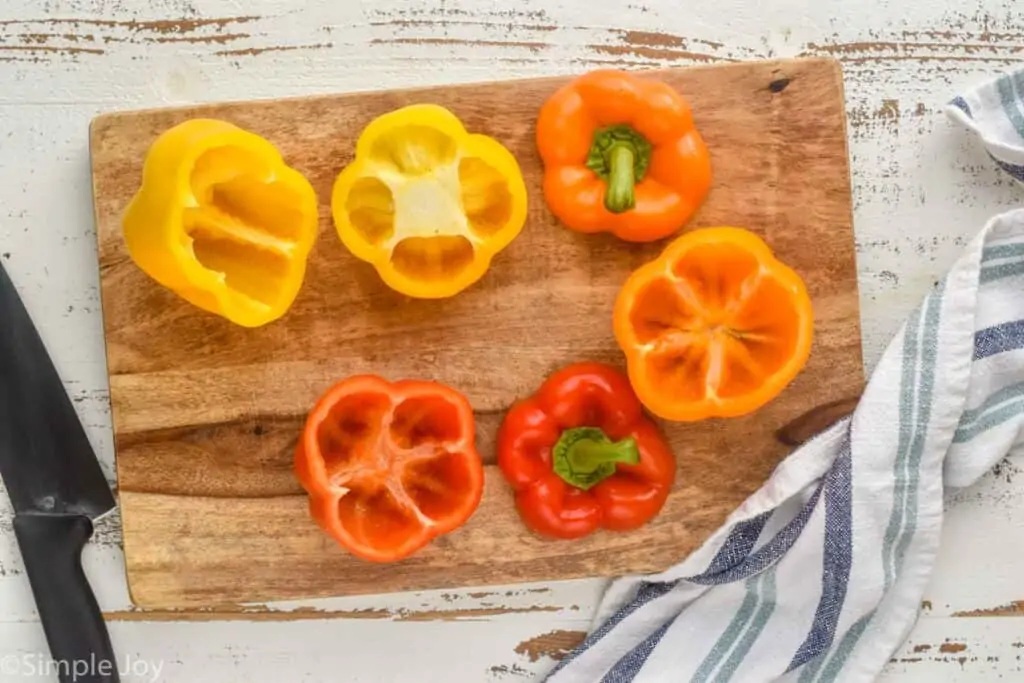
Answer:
[(206, 414)]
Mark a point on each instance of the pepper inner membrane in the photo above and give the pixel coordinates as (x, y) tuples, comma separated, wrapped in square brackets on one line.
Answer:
[(413, 150), (242, 226), (426, 204), (393, 461), (717, 326)]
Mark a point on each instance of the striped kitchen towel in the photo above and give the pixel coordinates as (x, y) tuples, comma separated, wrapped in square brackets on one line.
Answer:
[(818, 576), (995, 111)]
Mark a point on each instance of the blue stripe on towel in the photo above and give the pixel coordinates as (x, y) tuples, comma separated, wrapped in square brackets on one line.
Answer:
[(903, 518), (999, 339), (838, 558), (769, 553), (961, 104), (647, 592), (734, 550), (1015, 170), (738, 545), (626, 669)]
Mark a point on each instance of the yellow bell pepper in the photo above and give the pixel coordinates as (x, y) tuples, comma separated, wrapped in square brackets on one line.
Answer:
[(426, 203), (221, 220)]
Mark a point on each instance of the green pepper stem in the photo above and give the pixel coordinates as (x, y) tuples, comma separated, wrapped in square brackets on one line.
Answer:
[(584, 456), (587, 455), (620, 156), (619, 196)]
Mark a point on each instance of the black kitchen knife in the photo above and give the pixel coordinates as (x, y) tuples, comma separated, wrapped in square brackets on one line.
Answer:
[(57, 487)]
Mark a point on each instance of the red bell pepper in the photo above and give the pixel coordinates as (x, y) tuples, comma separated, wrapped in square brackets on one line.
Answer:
[(580, 455), (389, 466)]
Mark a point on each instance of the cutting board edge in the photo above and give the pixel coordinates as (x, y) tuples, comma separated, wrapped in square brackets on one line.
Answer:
[(102, 300), (98, 121), (144, 596), (837, 69)]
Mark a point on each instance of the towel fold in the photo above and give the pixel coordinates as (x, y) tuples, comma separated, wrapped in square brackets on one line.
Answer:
[(818, 576)]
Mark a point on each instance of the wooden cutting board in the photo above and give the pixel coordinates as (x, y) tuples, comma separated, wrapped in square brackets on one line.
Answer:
[(206, 414)]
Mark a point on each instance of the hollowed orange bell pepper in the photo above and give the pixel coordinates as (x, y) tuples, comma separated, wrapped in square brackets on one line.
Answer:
[(222, 221), (389, 466), (580, 455), (426, 203), (716, 326), (622, 155)]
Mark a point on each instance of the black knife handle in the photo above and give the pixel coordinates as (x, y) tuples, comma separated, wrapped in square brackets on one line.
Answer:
[(51, 546)]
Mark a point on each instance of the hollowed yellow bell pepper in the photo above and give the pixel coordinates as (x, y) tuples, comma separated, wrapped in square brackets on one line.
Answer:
[(221, 220), (426, 203)]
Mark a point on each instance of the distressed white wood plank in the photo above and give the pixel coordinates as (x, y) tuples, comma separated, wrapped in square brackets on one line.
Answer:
[(921, 189), (365, 651), (357, 651), (960, 651), (978, 570)]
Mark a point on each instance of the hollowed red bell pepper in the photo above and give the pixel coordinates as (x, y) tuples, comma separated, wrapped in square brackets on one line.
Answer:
[(389, 466), (580, 455)]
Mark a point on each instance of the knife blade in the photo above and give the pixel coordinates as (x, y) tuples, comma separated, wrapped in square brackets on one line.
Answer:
[(57, 488)]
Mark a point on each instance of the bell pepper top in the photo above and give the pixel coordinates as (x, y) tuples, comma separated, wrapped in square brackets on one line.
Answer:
[(584, 456), (580, 455), (622, 154)]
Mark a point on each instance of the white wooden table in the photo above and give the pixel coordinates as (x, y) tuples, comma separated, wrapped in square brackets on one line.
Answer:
[(922, 188)]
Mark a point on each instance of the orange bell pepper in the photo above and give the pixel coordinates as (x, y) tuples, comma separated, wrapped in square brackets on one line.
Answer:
[(389, 466), (621, 154), (716, 326)]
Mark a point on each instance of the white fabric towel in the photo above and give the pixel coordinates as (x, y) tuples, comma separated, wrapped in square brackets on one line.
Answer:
[(818, 577)]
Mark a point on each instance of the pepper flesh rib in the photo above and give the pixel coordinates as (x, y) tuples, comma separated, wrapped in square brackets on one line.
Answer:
[(389, 462), (234, 228), (411, 196), (709, 340)]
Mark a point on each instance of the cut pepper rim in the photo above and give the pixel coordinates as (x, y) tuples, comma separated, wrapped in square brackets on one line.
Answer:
[(711, 404), (325, 495)]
